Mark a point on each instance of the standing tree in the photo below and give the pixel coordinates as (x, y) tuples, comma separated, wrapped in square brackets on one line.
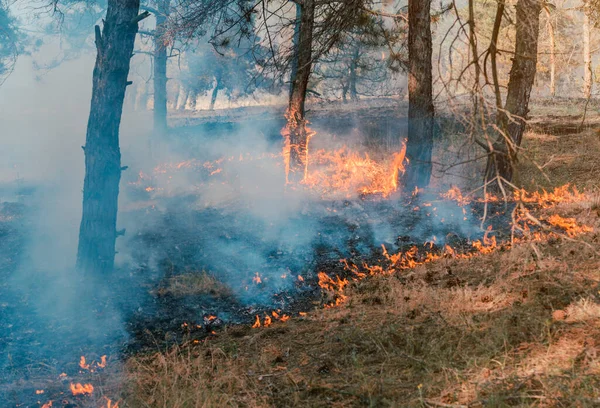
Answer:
[(420, 95), (512, 119), (98, 233), (298, 135)]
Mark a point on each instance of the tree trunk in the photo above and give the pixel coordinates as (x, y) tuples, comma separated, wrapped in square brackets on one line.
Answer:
[(213, 97), (512, 120), (297, 135), (344, 93), (476, 95), (97, 234), (353, 75), (552, 53), (160, 67), (295, 42), (587, 57), (420, 95), (192, 99)]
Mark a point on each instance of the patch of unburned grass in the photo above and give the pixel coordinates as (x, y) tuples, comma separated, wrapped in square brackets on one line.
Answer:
[(194, 283)]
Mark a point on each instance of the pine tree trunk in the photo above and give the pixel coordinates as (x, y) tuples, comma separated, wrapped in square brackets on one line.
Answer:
[(353, 75), (552, 53), (522, 76), (160, 68), (297, 133), (97, 234), (420, 95), (587, 57), (296, 41)]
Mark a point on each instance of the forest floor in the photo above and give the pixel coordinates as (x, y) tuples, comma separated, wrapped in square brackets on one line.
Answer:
[(516, 327)]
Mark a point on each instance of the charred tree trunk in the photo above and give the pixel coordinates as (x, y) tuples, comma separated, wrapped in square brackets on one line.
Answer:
[(296, 132), (420, 95), (512, 119), (552, 52), (160, 67), (587, 56), (97, 234), (353, 75)]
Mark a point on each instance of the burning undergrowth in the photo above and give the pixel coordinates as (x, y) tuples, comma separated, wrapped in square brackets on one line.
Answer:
[(261, 250)]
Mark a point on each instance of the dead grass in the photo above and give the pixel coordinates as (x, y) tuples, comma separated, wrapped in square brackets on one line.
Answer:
[(198, 283)]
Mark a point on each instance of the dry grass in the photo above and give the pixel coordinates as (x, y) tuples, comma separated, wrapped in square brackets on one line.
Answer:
[(199, 283), (514, 328)]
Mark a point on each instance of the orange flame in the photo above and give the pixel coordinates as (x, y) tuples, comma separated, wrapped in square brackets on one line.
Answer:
[(83, 364), (79, 389), (256, 279)]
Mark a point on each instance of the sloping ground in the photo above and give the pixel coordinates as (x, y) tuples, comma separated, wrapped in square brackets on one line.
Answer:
[(510, 328)]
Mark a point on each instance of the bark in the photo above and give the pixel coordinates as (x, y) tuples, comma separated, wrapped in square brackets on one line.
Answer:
[(587, 57), (354, 75), (512, 119), (420, 95), (297, 133), (552, 53), (160, 67), (97, 235)]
